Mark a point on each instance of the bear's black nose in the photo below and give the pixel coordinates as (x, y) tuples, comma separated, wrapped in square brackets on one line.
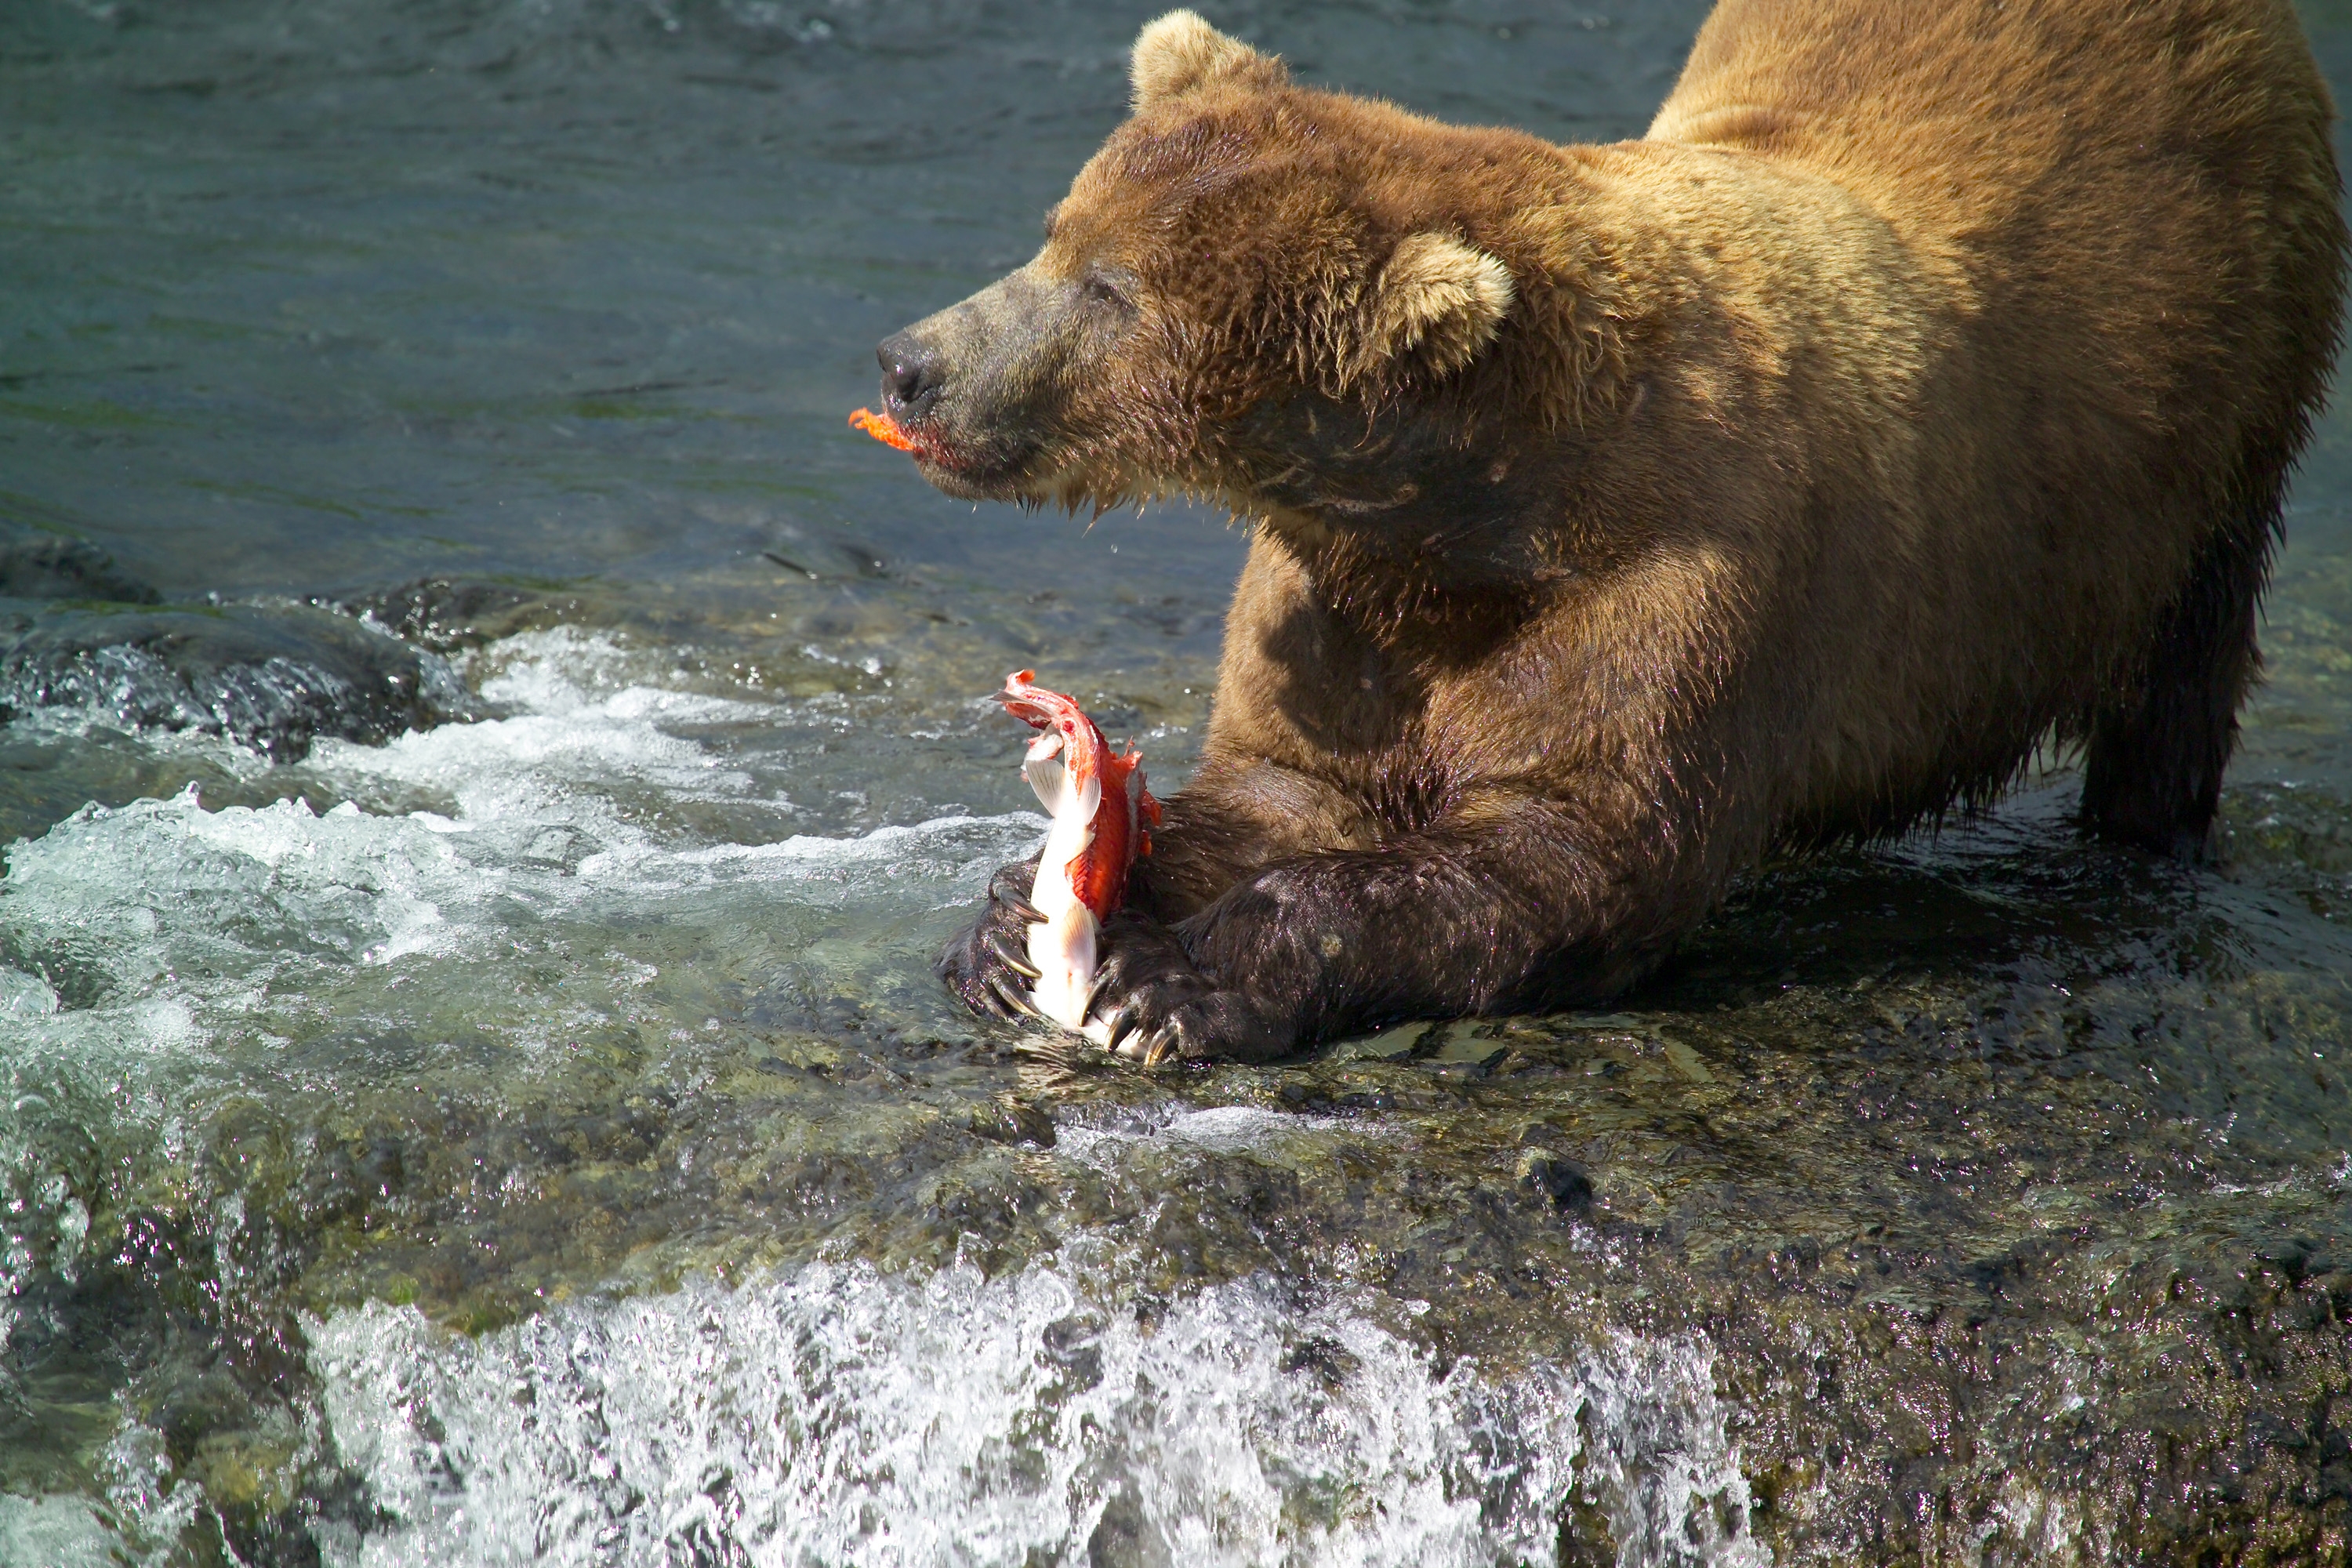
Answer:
[(911, 375)]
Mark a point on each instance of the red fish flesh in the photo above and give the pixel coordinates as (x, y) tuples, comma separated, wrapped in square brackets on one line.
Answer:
[(883, 428)]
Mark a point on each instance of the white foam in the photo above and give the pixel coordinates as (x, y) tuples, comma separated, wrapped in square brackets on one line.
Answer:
[(24, 997), (582, 726), (1227, 1127), (157, 889), (175, 920), (54, 1533), (838, 1416), (181, 912), (951, 856)]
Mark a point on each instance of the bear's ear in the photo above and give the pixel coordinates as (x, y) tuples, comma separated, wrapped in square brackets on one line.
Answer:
[(1436, 305), (1179, 52)]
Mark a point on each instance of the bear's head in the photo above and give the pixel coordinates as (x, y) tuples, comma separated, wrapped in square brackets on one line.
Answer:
[(1251, 281)]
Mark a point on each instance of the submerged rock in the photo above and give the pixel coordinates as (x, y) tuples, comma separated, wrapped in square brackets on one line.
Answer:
[(274, 678), (51, 566), (446, 615)]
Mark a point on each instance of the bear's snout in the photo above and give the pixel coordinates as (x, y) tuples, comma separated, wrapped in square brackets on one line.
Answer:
[(980, 386), (912, 375)]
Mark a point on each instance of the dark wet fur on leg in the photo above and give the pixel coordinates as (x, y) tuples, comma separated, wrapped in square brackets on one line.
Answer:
[(2152, 777)]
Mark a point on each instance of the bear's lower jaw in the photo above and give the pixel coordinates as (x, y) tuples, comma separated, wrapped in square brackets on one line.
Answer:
[(969, 484), (1026, 481), (1059, 471), (970, 470)]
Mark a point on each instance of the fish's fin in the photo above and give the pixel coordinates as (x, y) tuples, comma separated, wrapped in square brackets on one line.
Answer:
[(1059, 793), (1051, 780), (1147, 807)]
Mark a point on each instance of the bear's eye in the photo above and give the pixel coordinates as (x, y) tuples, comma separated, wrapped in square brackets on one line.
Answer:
[(1099, 289)]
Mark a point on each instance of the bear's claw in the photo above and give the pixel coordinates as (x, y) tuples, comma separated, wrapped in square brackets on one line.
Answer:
[(1002, 891), (1152, 1001), (1160, 1008), (1012, 958), (986, 964), (1013, 1000)]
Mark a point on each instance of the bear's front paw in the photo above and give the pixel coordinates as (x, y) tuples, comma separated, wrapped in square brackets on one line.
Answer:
[(1160, 1007), (987, 963)]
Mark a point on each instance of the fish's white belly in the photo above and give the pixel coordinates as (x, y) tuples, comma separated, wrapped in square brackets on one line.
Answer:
[(1062, 945), (1063, 949)]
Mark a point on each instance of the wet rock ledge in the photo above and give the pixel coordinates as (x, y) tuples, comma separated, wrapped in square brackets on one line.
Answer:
[(77, 631)]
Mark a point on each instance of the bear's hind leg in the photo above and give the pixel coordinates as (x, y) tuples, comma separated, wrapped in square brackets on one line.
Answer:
[(2152, 776)]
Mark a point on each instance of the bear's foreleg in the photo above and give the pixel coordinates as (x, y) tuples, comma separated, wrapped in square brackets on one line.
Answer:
[(1230, 824), (1502, 906)]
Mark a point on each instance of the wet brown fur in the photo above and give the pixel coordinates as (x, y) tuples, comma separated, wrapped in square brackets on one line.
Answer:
[(1922, 387)]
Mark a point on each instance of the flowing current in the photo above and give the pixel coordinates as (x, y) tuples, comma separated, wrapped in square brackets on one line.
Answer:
[(487, 758)]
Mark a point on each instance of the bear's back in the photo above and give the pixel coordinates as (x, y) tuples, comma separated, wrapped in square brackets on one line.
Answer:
[(2127, 218), (2144, 193), (1952, 117)]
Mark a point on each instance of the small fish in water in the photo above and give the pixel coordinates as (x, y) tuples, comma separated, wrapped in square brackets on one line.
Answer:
[(1100, 810)]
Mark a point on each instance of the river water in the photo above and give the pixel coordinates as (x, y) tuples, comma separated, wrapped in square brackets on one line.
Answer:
[(489, 757)]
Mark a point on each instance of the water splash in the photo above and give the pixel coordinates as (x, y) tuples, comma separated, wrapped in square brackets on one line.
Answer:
[(275, 677), (841, 1415), (168, 906), (56, 1532)]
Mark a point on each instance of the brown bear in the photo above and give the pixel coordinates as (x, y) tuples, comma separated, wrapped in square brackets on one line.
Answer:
[(1923, 388)]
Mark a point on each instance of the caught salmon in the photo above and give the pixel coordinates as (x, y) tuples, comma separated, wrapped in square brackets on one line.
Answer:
[(1102, 820)]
